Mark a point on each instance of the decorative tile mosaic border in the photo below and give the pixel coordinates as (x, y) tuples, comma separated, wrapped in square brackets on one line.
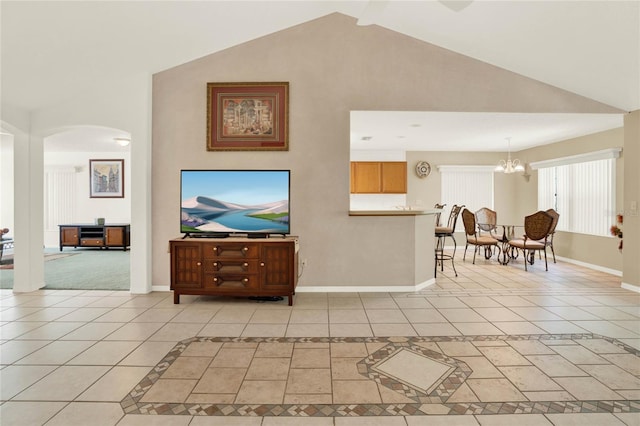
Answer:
[(437, 398)]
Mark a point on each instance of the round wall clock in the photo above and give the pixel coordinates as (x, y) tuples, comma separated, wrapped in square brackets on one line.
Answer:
[(423, 169)]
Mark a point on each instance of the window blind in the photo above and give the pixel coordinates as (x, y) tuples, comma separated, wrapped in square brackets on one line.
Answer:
[(582, 193), (471, 186), (59, 195)]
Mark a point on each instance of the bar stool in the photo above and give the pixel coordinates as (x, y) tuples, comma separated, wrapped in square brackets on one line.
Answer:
[(440, 207), (441, 233)]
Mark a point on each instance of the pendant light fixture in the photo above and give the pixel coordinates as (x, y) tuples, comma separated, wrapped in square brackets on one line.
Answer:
[(509, 166)]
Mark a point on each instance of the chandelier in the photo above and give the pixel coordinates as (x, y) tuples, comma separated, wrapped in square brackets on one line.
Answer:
[(509, 166)]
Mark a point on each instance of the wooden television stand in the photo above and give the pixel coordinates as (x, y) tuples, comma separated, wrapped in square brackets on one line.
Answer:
[(86, 235), (234, 266)]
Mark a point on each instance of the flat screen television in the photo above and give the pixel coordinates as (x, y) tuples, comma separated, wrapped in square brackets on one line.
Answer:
[(219, 203)]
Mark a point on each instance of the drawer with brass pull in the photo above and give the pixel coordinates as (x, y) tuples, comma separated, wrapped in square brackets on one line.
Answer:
[(231, 282), (230, 251), (92, 242), (249, 266)]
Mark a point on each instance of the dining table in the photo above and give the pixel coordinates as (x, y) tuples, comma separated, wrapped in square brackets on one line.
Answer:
[(503, 233)]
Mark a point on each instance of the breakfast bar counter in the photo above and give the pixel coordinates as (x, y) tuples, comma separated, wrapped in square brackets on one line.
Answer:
[(397, 212), (410, 264)]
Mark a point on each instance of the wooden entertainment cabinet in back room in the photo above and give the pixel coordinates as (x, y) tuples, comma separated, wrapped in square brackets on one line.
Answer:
[(87, 235), (234, 266)]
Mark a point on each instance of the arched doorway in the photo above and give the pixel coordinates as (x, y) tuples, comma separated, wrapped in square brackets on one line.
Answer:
[(69, 156)]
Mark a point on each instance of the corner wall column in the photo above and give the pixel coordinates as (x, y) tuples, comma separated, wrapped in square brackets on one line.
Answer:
[(28, 213), (141, 189), (631, 225)]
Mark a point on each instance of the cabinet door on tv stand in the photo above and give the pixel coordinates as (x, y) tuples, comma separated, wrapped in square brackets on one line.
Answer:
[(186, 266), (69, 236), (114, 236), (276, 268)]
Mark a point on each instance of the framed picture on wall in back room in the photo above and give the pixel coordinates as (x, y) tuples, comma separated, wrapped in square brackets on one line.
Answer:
[(106, 178), (248, 116)]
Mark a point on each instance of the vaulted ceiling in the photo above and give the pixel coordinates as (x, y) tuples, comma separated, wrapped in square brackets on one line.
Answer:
[(52, 51)]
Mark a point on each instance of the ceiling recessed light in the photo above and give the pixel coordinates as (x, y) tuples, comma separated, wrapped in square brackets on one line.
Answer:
[(122, 141), (415, 125), (367, 138)]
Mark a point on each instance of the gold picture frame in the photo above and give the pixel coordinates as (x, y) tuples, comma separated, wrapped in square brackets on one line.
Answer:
[(248, 116)]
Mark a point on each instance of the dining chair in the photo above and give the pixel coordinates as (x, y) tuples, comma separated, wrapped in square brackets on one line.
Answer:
[(441, 232), (536, 232), (552, 231), (549, 243), (473, 236), (486, 221)]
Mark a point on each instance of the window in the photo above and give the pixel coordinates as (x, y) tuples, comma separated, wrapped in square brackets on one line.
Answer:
[(471, 186), (581, 189)]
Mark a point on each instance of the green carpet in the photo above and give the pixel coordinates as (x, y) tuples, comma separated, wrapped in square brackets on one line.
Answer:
[(7, 261), (84, 269)]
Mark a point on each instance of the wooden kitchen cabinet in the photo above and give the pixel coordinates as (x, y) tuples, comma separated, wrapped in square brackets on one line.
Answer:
[(394, 177), (379, 177)]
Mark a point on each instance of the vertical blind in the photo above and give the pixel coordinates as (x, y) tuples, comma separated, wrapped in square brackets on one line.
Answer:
[(471, 186), (59, 196), (582, 193)]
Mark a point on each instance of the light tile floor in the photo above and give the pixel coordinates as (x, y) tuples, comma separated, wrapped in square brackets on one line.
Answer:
[(495, 339)]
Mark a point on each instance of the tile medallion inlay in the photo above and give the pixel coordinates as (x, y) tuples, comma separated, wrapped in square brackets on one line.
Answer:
[(406, 376)]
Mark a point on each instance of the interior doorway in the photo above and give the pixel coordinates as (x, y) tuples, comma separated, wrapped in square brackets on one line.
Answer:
[(70, 179)]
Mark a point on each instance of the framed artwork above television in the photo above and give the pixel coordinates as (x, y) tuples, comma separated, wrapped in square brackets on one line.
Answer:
[(248, 116)]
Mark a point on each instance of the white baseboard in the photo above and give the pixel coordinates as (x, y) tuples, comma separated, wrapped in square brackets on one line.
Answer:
[(366, 289), (591, 266), (631, 287), (569, 260), (345, 289)]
